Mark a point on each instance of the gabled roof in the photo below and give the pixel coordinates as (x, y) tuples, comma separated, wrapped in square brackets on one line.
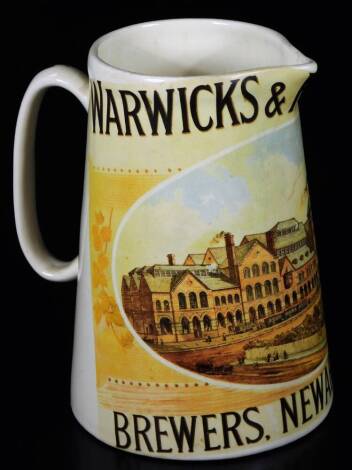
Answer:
[(197, 258), (218, 252), (157, 284), (290, 238), (261, 237)]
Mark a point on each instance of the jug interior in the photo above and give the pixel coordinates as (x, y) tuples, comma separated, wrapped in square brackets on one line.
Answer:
[(189, 47)]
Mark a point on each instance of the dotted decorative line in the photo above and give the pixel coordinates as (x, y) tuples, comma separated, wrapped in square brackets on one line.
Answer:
[(136, 171), (165, 385)]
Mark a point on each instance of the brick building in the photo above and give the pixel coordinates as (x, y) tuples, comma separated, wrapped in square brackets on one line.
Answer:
[(267, 278)]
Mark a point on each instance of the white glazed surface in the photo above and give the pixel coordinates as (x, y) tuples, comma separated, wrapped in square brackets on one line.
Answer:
[(197, 47)]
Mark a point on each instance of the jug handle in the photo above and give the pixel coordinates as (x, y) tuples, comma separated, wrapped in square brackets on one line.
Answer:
[(26, 219)]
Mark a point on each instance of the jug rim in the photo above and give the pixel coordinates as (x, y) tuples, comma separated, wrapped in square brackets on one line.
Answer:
[(103, 58)]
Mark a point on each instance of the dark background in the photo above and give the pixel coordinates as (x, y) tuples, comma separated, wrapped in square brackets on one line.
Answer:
[(38, 316)]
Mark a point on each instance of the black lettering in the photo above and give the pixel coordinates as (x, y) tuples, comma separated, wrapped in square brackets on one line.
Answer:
[(141, 432), (207, 431), (114, 117), (328, 391), (222, 101), (121, 429), (233, 428), (251, 98), (194, 107), (184, 110), (253, 424), (291, 411), (97, 106), (318, 394), (184, 432), (158, 109), (131, 113), (304, 403), (159, 433)]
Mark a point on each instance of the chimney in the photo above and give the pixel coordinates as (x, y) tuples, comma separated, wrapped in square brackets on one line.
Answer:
[(230, 252), (171, 259)]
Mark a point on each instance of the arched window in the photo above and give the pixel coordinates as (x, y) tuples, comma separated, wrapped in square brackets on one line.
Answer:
[(309, 286), (237, 298), (230, 319), (255, 270), (288, 279), (273, 267), (193, 302), (294, 297), (207, 323), (217, 301), (165, 326), (271, 308), (301, 292), (287, 300), (221, 320), (267, 288), (197, 329), (249, 293), (265, 268), (261, 311), (158, 306), (166, 306), (305, 290), (278, 306), (230, 299), (185, 325), (258, 291), (252, 315), (246, 273), (223, 299), (182, 301), (239, 317), (203, 299), (275, 285)]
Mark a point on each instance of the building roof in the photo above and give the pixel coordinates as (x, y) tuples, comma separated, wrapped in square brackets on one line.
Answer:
[(157, 283), (127, 279), (261, 237), (197, 258), (219, 253), (217, 283), (282, 241), (285, 224)]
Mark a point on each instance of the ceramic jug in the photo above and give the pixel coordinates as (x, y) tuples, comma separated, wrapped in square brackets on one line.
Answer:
[(199, 330)]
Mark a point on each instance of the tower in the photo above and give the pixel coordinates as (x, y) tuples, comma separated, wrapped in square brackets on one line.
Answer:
[(231, 257)]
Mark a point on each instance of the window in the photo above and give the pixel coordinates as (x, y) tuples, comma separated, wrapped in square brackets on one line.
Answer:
[(287, 300), (255, 270), (252, 315), (165, 326), (294, 297), (275, 285), (158, 306), (246, 273), (288, 279), (182, 301), (230, 319), (278, 306), (237, 298), (221, 320), (223, 299), (271, 308), (193, 302), (239, 317), (166, 306), (267, 288), (249, 293), (207, 323), (185, 325), (217, 301), (265, 268), (230, 299), (203, 299), (258, 291), (273, 267), (261, 311)]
